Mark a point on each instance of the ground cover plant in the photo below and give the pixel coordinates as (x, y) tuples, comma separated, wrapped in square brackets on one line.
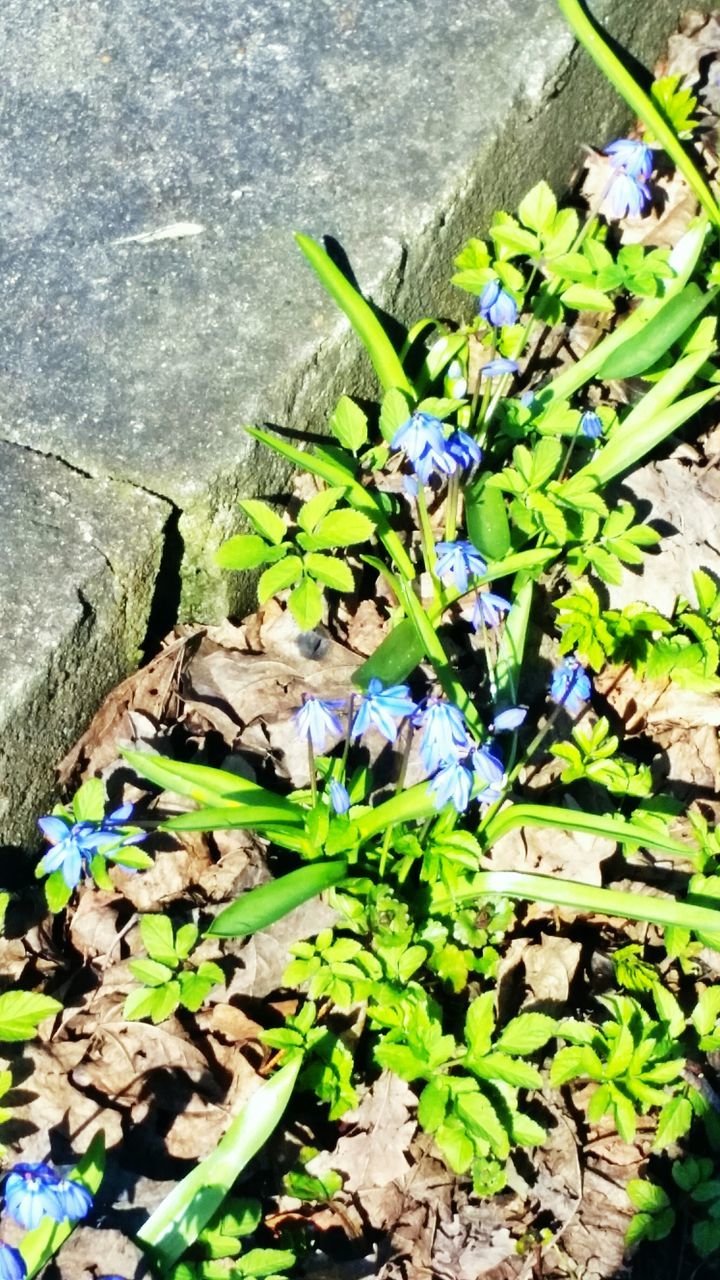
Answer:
[(458, 810)]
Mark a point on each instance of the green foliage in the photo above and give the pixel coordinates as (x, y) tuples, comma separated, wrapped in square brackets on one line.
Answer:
[(677, 105), (698, 1189), (168, 981), (593, 754), (303, 563), (22, 1011)]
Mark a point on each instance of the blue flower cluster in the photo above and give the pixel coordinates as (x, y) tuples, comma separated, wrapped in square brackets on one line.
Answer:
[(571, 686), (457, 766), (629, 192), (33, 1194), (76, 843), (430, 452), (496, 305)]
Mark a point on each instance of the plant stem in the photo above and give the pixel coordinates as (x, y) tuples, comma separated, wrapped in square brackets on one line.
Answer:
[(313, 779)]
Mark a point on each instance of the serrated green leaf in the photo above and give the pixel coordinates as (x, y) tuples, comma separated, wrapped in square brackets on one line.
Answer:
[(349, 424), (538, 208), (332, 572), (89, 801), (582, 297), (432, 1104), (264, 520), (313, 511), (247, 551), (151, 972), (480, 1024), (482, 1119), (156, 1003), (158, 938), (646, 1195), (21, 1012), (343, 528), (278, 577), (306, 604), (673, 1123), (527, 1033), (454, 1144)]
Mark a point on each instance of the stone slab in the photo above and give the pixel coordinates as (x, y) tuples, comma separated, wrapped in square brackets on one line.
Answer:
[(77, 577), (393, 126)]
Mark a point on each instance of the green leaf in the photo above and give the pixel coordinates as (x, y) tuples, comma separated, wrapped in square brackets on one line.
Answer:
[(151, 972), (158, 938), (706, 1237), (395, 410), (568, 1064), (646, 1195), (538, 208), (22, 1011), (278, 577), (264, 520), (673, 1122), (195, 987), (401, 1059), (395, 657), (512, 647), (432, 1104), (264, 1262), (247, 551), (500, 1066), (361, 316), (38, 1246), (185, 939), (157, 1003), (349, 424), (456, 1147), (343, 528), (526, 1033), (177, 1221), (57, 893), (206, 785), (312, 511), (707, 1011), (306, 604), (480, 1024), (644, 349), (582, 298), (332, 572), (527, 1131), (487, 520), (261, 906), (482, 1119), (89, 801)]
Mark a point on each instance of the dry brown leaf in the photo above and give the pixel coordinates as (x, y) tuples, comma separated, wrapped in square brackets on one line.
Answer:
[(662, 489), (681, 723), (265, 956), (49, 1104), (91, 1250), (93, 924), (571, 854), (372, 1150)]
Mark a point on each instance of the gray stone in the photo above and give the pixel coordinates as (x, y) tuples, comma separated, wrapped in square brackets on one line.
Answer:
[(80, 559), (393, 126)]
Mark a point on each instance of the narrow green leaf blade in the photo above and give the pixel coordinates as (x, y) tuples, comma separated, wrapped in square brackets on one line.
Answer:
[(204, 784), (269, 902), (360, 314), (644, 349), (179, 1219)]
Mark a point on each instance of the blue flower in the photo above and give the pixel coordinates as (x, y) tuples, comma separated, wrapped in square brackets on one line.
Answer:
[(339, 796), (457, 562), (490, 774), (444, 733), (496, 368), (452, 785), (316, 721), (465, 451), (423, 440), (628, 196), (76, 843), (590, 425), (381, 707), (489, 609), (508, 720), (12, 1263), (628, 156), (30, 1194), (74, 1201), (496, 305), (570, 686)]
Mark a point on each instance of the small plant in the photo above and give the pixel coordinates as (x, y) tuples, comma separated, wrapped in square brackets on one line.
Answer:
[(165, 984)]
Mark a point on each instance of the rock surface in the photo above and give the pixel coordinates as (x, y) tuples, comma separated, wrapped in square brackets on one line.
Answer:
[(156, 160), (76, 583)]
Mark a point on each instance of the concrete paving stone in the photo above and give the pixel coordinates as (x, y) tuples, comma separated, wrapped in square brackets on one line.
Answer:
[(77, 575), (394, 126)]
